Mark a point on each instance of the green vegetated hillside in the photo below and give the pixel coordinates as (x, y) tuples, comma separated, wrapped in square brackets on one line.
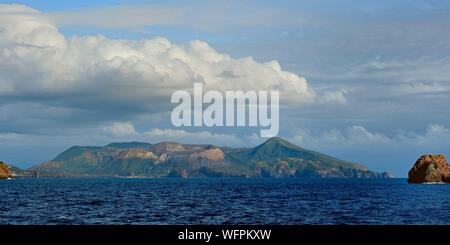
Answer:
[(274, 158)]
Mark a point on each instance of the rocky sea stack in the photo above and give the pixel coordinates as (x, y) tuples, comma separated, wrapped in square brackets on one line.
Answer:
[(5, 171), (430, 169)]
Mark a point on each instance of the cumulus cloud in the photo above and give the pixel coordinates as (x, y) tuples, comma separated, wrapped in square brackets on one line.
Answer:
[(348, 137), (435, 135), (337, 96), (59, 81), (14, 138), (409, 70), (119, 129), (357, 136), (126, 131), (158, 134), (418, 88), (39, 62)]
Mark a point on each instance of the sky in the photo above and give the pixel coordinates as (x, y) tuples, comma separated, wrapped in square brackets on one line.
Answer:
[(364, 81)]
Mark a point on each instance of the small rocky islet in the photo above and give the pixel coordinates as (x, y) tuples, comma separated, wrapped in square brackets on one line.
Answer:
[(431, 168)]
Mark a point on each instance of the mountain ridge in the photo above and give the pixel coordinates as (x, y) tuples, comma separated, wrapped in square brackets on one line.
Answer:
[(276, 157)]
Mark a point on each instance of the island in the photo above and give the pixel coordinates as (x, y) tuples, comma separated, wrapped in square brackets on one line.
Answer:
[(274, 158)]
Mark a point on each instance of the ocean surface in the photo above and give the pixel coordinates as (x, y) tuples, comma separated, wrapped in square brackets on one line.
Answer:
[(222, 201)]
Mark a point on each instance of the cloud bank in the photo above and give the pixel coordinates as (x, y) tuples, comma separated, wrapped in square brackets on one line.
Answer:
[(38, 62)]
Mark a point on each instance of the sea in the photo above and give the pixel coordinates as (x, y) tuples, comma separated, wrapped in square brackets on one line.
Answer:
[(222, 201)]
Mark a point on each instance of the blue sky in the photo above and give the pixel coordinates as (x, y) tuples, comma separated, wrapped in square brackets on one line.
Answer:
[(378, 70)]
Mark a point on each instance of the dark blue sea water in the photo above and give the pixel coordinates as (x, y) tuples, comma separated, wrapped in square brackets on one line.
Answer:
[(222, 201)]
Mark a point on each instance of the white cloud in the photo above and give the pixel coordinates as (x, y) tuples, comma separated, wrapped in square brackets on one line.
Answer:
[(125, 131), (358, 137), (177, 133), (435, 135), (14, 138), (201, 137), (412, 72), (361, 134), (351, 136), (418, 88), (121, 129), (330, 97), (38, 60)]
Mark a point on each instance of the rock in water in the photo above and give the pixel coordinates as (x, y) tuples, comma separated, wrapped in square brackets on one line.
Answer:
[(430, 168), (5, 171)]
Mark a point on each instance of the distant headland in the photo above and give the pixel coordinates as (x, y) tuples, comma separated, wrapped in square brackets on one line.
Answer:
[(5, 171)]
